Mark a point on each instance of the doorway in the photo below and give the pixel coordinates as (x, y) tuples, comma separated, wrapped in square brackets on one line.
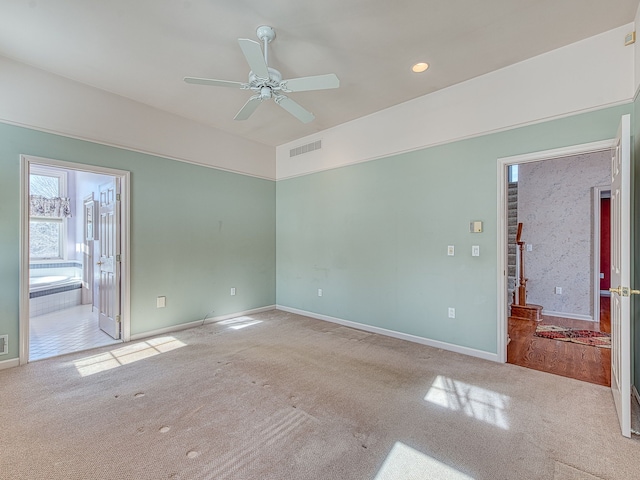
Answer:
[(569, 298), (74, 278)]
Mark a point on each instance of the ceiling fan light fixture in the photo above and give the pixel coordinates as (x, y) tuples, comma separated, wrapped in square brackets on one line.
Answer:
[(420, 67), (267, 83)]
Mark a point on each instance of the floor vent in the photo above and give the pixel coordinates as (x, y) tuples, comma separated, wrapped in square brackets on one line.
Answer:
[(310, 147)]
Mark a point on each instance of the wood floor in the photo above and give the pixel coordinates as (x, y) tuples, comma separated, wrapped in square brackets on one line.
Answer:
[(582, 362)]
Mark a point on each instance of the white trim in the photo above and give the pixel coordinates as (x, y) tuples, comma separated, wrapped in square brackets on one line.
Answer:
[(502, 166), (570, 151), (198, 323), (131, 149), (573, 316), (125, 242), (392, 333), (23, 290), (13, 362), (503, 260)]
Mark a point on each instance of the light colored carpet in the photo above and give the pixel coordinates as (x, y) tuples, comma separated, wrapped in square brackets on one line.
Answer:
[(280, 396)]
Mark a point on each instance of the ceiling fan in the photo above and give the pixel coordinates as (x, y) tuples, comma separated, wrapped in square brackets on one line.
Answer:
[(267, 82)]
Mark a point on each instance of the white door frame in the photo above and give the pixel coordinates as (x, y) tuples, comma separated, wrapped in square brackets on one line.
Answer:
[(503, 167), (25, 164)]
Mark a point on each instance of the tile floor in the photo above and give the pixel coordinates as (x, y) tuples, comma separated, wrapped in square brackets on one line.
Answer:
[(65, 331)]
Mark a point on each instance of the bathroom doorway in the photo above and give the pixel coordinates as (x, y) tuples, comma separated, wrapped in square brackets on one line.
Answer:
[(74, 280)]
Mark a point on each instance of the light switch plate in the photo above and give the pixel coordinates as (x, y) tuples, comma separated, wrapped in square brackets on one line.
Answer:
[(475, 226), (451, 250), (161, 302)]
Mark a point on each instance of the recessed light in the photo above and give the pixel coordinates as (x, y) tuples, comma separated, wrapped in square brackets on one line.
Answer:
[(420, 67)]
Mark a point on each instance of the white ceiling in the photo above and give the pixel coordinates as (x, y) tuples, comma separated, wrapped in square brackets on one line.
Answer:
[(142, 49)]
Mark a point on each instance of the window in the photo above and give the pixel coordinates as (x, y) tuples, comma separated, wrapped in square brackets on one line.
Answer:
[(47, 234)]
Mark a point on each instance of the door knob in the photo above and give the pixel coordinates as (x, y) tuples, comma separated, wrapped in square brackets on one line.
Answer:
[(99, 263), (624, 291)]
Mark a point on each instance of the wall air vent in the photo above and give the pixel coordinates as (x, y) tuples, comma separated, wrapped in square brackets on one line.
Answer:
[(310, 147)]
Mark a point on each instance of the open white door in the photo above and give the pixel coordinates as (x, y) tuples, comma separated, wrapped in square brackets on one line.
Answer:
[(109, 263), (621, 276)]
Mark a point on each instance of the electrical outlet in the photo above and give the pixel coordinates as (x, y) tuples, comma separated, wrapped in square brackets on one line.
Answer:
[(161, 302), (319, 292), (451, 250), (475, 251), (558, 290), (452, 312), (4, 344), (233, 291)]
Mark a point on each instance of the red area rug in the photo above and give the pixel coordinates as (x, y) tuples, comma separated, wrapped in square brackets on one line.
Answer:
[(583, 337)]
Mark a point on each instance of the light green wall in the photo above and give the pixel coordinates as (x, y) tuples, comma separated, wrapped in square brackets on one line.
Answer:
[(195, 232), (374, 235)]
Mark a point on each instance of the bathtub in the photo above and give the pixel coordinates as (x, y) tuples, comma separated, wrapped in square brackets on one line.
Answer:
[(50, 284), (54, 286)]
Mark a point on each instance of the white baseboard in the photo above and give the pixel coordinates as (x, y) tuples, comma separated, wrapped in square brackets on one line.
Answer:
[(13, 362), (197, 323), (391, 333), (573, 316)]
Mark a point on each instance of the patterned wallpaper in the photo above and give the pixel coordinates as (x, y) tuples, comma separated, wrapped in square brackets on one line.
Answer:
[(555, 206)]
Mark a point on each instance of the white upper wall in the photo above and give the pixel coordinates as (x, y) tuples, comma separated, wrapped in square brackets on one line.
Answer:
[(590, 74), (37, 99)]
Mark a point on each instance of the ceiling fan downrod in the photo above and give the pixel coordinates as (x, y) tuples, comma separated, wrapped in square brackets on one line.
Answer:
[(266, 34)]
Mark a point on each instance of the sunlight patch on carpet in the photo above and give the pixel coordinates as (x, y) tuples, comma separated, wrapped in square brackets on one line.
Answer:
[(126, 355), (239, 322), (406, 463), (479, 403)]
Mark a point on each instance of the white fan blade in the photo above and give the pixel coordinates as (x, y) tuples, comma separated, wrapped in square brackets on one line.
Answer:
[(253, 53), (249, 107), (317, 82), (211, 81), (294, 109)]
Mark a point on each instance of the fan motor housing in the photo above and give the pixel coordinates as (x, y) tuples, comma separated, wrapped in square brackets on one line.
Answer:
[(256, 83)]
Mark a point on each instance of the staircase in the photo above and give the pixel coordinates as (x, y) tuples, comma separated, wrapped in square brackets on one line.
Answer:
[(512, 227)]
